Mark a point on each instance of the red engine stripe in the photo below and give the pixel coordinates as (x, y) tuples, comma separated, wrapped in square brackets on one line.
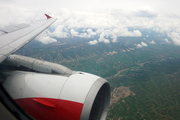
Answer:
[(49, 103), (61, 110)]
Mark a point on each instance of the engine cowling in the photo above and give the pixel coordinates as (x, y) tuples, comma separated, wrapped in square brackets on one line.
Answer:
[(80, 96)]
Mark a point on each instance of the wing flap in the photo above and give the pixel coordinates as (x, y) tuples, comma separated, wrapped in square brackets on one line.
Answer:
[(22, 25), (2, 57), (9, 29)]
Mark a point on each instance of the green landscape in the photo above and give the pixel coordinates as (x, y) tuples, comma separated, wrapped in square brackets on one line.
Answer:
[(152, 73)]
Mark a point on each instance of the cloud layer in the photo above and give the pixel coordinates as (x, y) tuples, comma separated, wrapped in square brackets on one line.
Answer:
[(107, 27)]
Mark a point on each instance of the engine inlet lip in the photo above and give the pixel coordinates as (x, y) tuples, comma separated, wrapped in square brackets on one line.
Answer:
[(92, 95)]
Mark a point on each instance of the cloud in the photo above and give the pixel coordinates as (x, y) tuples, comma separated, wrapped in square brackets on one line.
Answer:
[(175, 36), (74, 33), (77, 34), (141, 45), (102, 39), (89, 25), (144, 44), (145, 12), (90, 32), (93, 42), (138, 45), (107, 26), (60, 32), (166, 40), (152, 42), (125, 33), (45, 38), (13, 15), (114, 39), (115, 33)]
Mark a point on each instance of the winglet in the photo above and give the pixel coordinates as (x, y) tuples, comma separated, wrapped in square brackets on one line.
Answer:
[(48, 16)]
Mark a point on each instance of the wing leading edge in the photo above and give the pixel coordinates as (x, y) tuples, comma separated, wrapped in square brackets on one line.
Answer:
[(12, 40)]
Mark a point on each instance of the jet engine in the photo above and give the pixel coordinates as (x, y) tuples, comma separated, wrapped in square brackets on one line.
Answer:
[(72, 96)]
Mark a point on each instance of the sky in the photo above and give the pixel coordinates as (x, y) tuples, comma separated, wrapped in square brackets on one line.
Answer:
[(107, 19)]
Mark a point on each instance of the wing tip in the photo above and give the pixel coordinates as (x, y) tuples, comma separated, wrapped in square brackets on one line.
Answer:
[(48, 17)]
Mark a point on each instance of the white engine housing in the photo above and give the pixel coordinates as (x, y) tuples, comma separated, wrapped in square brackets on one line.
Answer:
[(80, 96)]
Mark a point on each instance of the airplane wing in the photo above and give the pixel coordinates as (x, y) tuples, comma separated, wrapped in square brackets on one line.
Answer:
[(14, 37), (43, 89)]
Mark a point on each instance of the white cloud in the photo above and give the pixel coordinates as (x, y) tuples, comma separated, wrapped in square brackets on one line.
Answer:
[(108, 25), (102, 39), (77, 34), (145, 12), (93, 42), (114, 39), (136, 33), (74, 33), (59, 32), (152, 42), (45, 38), (90, 32), (175, 36), (166, 40), (141, 45), (13, 15), (138, 45), (144, 44)]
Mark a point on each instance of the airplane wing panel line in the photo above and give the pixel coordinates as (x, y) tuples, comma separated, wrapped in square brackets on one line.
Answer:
[(19, 36), (23, 25), (29, 35), (13, 41)]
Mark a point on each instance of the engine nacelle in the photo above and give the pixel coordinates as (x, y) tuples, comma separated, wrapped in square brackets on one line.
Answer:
[(80, 96)]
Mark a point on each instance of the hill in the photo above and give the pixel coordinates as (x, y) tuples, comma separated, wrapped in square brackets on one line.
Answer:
[(145, 82)]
